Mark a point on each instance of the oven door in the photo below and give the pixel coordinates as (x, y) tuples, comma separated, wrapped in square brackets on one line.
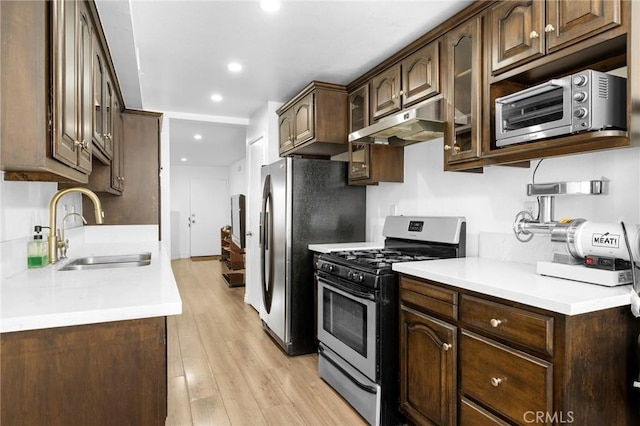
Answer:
[(347, 322), (535, 113)]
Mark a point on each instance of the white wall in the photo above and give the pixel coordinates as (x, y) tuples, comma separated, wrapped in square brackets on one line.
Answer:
[(491, 200), (264, 123), (238, 177), (181, 177), (22, 206)]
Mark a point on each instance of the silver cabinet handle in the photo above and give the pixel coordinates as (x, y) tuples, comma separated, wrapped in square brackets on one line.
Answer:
[(496, 381), (495, 323), (446, 346), (549, 28), (534, 34)]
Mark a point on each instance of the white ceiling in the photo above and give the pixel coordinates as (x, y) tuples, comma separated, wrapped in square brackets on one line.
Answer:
[(183, 48)]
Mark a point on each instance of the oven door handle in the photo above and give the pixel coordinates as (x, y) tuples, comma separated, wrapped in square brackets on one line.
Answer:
[(336, 282), (362, 386), (532, 91)]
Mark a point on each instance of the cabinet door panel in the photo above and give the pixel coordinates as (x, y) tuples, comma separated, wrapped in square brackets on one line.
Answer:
[(108, 110), (420, 74), (359, 160), (304, 117), (359, 109), (65, 83), (286, 132), (575, 20), (385, 92), (98, 97), (427, 368), (85, 87), (117, 180), (463, 51), (517, 32)]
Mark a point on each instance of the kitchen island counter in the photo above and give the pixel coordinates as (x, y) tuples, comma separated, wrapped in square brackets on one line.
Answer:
[(518, 282), (46, 298)]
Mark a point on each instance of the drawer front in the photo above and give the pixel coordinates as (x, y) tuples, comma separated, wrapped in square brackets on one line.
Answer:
[(434, 299), (517, 325), (511, 382), (473, 415)]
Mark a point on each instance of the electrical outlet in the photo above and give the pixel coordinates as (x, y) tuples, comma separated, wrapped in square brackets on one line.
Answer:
[(530, 206)]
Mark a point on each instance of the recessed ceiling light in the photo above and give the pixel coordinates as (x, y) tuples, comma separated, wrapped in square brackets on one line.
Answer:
[(197, 137), (183, 159), (270, 5), (216, 97), (234, 67)]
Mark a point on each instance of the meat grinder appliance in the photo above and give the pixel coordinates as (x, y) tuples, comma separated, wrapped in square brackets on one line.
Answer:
[(595, 253)]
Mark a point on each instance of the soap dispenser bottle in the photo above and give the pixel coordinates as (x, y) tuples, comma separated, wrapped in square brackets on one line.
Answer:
[(37, 250)]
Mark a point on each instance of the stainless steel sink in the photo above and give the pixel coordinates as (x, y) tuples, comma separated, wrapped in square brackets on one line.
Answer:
[(113, 261)]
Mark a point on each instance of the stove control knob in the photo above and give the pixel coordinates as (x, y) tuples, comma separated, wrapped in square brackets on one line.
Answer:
[(351, 275), (360, 278)]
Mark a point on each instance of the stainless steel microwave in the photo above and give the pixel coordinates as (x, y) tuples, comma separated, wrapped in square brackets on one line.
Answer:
[(585, 101)]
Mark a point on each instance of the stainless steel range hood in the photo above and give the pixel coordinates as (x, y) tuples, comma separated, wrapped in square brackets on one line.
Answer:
[(418, 124)]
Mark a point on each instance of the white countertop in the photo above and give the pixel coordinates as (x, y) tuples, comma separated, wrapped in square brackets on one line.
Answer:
[(46, 298), (329, 248), (520, 283)]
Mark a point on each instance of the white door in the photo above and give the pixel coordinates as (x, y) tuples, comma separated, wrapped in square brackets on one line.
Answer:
[(253, 292), (209, 211)]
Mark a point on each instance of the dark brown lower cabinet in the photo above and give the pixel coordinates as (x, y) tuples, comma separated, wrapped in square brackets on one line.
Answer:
[(428, 388), (472, 359), (112, 373)]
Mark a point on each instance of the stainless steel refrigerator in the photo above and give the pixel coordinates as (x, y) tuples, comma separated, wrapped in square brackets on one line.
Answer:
[(304, 201)]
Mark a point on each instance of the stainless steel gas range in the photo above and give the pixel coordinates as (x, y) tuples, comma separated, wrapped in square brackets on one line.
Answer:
[(358, 311)]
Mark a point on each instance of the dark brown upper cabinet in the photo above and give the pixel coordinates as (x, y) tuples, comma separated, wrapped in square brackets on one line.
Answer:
[(359, 108), (297, 124), (463, 91), (386, 92), (103, 100), (412, 80), (52, 90), (421, 74), (72, 84), (370, 164), (524, 30), (314, 122)]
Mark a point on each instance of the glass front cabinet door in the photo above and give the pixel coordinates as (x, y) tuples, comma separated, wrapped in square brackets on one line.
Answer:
[(358, 119), (463, 56)]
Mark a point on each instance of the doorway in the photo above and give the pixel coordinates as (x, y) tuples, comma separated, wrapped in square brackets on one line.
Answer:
[(208, 212), (253, 292)]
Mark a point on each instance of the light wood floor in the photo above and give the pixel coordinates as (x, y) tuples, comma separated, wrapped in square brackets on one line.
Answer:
[(223, 369)]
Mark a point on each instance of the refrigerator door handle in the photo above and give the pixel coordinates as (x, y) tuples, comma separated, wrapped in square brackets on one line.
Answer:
[(260, 231), (266, 235)]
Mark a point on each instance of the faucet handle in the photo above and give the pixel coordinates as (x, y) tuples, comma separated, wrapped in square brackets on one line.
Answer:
[(61, 244), (64, 245)]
